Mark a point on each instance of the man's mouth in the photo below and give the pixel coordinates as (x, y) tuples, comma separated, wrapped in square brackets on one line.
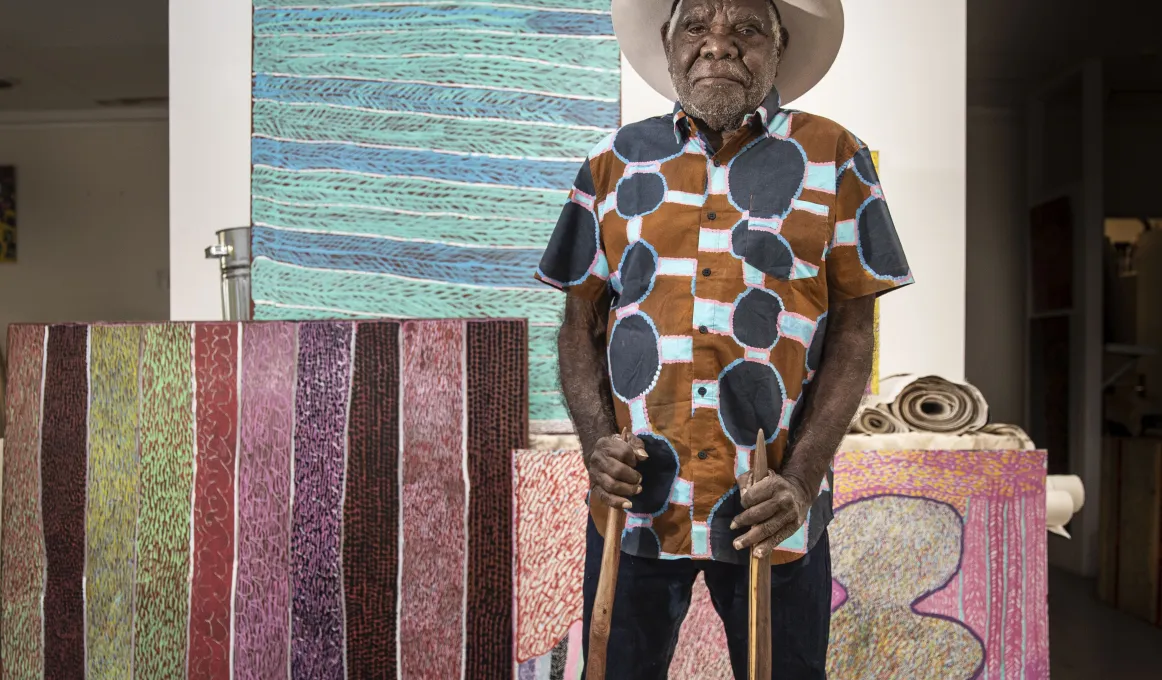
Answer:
[(718, 80)]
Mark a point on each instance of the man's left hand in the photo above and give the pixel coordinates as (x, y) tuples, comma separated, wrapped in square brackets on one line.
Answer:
[(775, 509)]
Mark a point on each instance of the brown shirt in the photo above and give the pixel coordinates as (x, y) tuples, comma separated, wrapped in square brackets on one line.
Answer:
[(720, 267)]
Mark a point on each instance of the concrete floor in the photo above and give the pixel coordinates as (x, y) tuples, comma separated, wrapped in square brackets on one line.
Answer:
[(1091, 641)]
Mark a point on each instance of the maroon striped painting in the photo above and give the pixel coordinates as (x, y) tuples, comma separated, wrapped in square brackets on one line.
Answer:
[(64, 434), (321, 402), (497, 382), (262, 500), (371, 507), (433, 503), (262, 597), (216, 377), (21, 623)]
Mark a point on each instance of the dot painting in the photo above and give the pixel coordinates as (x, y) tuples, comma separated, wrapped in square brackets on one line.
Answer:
[(934, 555)]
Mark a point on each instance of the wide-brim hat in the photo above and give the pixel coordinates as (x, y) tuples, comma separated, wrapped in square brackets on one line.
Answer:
[(815, 26)]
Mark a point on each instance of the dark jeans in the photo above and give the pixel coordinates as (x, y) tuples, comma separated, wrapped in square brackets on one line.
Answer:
[(653, 596)]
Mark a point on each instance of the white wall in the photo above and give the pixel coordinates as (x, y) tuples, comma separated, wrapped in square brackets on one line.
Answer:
[(209, 72), (995, 245), (92, 210), (899, 83)]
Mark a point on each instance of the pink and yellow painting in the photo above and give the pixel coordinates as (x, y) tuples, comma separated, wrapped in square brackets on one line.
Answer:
[(938, 561)]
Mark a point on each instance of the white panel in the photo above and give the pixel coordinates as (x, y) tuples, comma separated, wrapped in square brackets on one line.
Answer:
[(210, 68), (899, 84)]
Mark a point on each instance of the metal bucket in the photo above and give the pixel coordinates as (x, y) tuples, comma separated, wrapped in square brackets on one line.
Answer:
[(233, 253)]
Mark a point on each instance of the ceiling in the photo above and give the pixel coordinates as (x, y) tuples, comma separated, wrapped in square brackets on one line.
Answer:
[(73, 54)]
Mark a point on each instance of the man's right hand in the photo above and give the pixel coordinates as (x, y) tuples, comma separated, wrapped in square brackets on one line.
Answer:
[(612, 477)]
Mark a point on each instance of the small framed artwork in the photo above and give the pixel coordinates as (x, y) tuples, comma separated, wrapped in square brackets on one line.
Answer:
[(7, 213)]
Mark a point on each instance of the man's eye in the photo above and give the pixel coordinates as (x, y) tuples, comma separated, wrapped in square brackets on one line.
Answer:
[(696, 29), (748, 32)]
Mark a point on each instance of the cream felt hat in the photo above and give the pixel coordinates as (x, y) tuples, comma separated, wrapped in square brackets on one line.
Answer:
[(816, 28)]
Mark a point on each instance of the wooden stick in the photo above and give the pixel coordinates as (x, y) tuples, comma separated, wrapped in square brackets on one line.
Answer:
[(602, 615), (759, 628)]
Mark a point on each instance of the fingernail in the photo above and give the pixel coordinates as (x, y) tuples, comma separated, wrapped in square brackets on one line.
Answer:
[(627, 505), (733, 526), (641, 455), (637, 490), (738, 545), (758, 552)]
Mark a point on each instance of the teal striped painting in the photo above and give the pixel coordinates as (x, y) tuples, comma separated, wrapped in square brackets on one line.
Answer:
[(411, 158)]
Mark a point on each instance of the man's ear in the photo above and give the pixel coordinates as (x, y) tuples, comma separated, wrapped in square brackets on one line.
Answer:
[(665, 34), (781, 48)]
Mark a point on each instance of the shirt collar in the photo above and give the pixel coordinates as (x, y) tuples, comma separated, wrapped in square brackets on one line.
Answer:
[(762, 115)]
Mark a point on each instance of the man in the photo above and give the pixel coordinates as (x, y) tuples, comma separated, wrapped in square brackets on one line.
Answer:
[(722, 265)]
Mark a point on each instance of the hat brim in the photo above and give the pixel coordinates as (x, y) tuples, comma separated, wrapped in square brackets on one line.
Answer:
[(815, 26)]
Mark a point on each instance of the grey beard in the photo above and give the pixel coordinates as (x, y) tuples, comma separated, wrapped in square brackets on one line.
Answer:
[(721, 114), (725, 112)]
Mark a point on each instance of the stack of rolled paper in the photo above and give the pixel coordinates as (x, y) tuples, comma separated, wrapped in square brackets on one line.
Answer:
[(930, 405), (1064, 497), (910, 403)]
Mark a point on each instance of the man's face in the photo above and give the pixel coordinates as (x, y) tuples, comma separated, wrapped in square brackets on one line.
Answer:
[(723, 56)]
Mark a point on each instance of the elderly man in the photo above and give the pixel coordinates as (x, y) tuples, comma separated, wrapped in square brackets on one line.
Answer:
[(721, 266)]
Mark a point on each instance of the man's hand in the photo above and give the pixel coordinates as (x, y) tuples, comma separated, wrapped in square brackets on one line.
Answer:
[(777, 506), (775, 509), (612, 477)]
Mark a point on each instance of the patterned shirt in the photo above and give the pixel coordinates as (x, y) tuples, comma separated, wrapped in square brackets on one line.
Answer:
[(720, 267)]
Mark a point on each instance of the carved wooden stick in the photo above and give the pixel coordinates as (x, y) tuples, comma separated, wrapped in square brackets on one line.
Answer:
[(759, 649), (606, 587)]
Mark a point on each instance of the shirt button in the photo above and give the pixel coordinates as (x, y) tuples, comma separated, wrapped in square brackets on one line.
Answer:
[(702, 455), (702, 391), (712, 216), (706, 272), (717, 163), (703, 330)]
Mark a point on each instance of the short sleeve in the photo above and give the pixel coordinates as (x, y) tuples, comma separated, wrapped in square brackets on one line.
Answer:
[(866, 256), (574, 260)]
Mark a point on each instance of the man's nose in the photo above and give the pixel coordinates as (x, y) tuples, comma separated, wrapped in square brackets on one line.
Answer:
[(719, 44)]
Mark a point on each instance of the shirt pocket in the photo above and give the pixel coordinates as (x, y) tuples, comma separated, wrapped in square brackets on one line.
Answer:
[(789, 249)]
